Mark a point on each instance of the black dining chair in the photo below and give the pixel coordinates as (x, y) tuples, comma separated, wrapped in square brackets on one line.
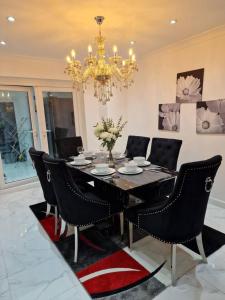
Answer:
[(179, 218), (78, 206), (67, 147), (164, 152), (137, 146), (49, 194)]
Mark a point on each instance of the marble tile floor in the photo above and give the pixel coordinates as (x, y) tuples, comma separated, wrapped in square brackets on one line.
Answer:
[(32, 268)]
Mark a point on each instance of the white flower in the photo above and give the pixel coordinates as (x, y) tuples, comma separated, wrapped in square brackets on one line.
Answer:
[(171, 121), (104, 135), (209, 122), (98, 129), (170, 107), (217, 106), (110, 137), (188, 89), (114, 130)]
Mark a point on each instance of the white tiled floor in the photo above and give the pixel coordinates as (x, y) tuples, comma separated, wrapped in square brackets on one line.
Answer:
[(32, 268)]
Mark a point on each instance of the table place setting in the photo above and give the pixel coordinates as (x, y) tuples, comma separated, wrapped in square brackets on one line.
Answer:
[(102, 170), (141, 161), (130, 168), (80, 160)]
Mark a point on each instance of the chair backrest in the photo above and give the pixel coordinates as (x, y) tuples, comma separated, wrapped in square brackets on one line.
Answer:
[(67, 147), (165, 152), (188, 202), (36, 157), (74, 206), (137, 146)]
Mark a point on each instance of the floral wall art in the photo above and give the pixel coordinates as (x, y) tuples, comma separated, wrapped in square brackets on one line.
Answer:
[(210, 116), (169, 117), (189, 86)]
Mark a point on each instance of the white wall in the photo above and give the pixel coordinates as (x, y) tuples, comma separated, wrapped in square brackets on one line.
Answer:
[(156, 83)]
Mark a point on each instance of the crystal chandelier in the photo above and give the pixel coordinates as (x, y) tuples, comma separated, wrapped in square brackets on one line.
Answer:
[(106, 73)]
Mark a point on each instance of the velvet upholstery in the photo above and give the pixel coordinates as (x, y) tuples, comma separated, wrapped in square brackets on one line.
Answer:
[(36, 157), (180, 217), (67, 147), (165, 152), (137, 146), (77, 206)]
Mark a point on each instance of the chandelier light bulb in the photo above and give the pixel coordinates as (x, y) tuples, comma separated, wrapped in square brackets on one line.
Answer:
[(115, 49), (11, 19), (123, 63), (133, 57), (130, 52), (89, 49), (68, 59), (73, 53)]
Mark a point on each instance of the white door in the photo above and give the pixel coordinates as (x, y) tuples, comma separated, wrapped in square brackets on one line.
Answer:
[(60, 114), (18, 132)]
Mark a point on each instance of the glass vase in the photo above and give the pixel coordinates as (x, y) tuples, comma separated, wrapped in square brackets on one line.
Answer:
[(110, 160)]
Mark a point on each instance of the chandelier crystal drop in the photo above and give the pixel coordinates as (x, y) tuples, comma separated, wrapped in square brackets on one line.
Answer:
[(106, 73)]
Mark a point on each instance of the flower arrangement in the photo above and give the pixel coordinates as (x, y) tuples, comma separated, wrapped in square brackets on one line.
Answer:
[(108, 132)]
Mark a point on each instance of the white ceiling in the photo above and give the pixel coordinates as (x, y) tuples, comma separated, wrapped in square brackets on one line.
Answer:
[(51, 28)]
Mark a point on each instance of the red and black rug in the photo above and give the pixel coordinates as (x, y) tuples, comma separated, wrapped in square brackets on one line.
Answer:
[(104, 268)]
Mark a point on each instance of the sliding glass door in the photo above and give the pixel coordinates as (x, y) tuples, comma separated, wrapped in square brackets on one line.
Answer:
[(60, 116), (37, 117), (18, 133)]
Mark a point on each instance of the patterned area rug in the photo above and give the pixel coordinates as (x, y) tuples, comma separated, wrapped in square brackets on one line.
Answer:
[(104, 268)]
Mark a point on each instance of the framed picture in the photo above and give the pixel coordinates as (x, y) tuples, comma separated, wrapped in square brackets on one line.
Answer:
[(210, 116), (169, 117), (189, 86)]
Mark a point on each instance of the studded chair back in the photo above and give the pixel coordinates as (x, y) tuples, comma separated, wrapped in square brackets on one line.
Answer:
[(36, 157), (182, 218), (75, 206), (137, 146), (67, 147), (165, 152)]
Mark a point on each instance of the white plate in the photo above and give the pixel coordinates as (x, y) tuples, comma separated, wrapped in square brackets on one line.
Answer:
[(123, 170), (83, 163), (108, 172), (121, 156), (145, 164)]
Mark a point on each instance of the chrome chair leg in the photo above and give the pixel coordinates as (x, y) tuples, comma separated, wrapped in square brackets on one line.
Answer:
[(130, 235), (121, 224), (201, 248), (56, 220), (75, 243), (173, 264), (48, 209), (63, 227)]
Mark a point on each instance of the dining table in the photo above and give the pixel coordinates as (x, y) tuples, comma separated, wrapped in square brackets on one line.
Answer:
[(122, 185)]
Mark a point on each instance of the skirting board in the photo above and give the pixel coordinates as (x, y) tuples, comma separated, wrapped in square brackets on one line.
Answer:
[(217, 202)]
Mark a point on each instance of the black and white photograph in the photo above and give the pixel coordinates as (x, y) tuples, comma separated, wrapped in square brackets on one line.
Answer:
[(169, 117), (189, 86), (210, 116)]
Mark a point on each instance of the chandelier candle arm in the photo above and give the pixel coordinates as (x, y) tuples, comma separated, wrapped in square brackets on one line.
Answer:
[(105, 72)]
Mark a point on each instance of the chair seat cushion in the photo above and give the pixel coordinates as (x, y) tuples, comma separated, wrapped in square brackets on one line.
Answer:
[(132, 212)]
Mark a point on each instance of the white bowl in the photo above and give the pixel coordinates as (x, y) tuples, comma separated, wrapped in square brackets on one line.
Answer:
[(80, 158), (101, 168), (139, 159), (131, 166)]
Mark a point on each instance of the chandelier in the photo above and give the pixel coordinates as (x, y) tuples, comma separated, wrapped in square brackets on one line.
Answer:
[(105, 73)]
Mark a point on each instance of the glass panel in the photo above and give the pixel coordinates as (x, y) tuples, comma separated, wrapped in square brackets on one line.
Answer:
[(59, 116), (16, 136)]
